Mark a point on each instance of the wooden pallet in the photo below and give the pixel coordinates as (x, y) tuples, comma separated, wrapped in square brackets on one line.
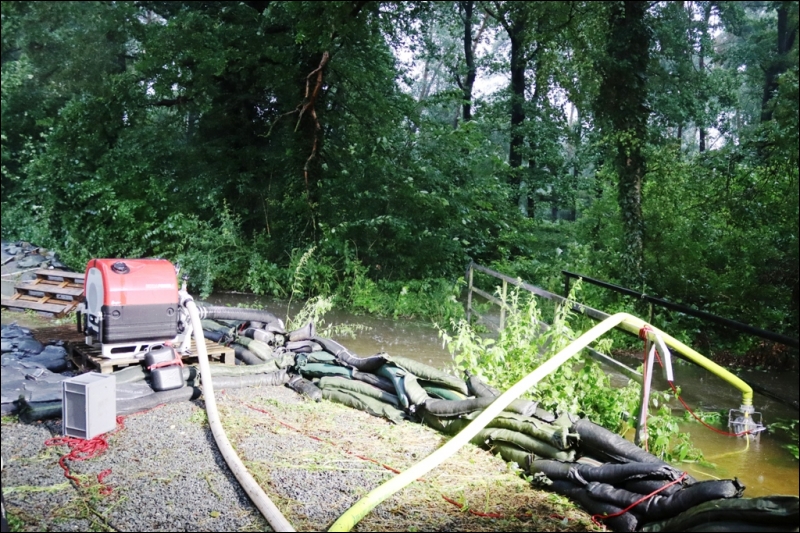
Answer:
[(87, 358), (53, 292)]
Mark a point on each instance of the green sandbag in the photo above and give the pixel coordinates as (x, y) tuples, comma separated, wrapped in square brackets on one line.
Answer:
[(535, 446), (433, 389), (210, 325), (320, 370), (775, 511), (511, 454), (429, 373), (260, 349), (360, 387), (320, 357), (558, 437), (416, 394), (365, 403), (395, 375)]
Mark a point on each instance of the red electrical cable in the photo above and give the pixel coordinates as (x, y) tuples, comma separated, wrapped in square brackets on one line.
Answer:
[(597, 517), (83, 449)]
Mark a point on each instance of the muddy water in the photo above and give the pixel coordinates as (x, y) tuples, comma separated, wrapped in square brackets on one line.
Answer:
[(763, 465)]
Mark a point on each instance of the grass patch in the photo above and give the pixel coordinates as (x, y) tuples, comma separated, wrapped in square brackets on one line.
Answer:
[(477, 480)]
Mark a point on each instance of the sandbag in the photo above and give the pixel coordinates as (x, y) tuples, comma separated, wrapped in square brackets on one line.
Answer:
[(480, 389), (215, 336), (259, 334), (305, 333), (442, 393), (210, 325), (271, 379), (364, 364), (246, 356), (744, 527), (262, 350), (660, 507), (303, 346), (579, 495), (376, 381), (395, 375), (456, 408), (602, 443), (769, 511), (359, 387), (429, 373), (320, 356), (305, 387), (416, 394), (365, 403), (557, 437), (320, 370), (511, 453), (535, 446), (649, 486), (608, 473)]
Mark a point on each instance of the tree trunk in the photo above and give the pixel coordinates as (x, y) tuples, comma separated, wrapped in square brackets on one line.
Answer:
[(622, 112), (781, 62), (517, 116), (469, 58)]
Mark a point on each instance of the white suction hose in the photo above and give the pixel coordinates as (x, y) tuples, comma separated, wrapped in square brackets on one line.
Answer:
[(276, 520)]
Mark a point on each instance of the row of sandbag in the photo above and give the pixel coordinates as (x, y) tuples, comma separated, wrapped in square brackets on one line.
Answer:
[(683, 504), (398, 388)]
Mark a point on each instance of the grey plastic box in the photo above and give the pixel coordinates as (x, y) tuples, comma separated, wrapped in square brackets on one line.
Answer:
[(89, 406)]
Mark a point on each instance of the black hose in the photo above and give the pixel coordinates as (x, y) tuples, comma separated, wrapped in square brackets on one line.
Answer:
[(272, 379), (235, 313), (126, 407), (365, 364)]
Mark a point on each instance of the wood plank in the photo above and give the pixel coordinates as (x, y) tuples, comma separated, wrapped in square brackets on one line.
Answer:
[(47, 274), (55, 308), (49, 289)]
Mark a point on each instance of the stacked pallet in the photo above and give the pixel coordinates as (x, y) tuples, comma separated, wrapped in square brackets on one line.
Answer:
[(88, 358), (52, 292)]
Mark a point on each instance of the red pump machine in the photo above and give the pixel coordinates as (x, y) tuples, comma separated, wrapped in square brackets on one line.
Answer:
[(130, 305)]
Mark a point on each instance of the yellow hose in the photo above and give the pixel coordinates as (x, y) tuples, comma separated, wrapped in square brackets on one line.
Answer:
[(359, 510), (634, 325)]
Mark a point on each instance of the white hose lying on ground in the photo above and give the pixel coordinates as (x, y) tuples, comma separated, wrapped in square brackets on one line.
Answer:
[(276, 520)]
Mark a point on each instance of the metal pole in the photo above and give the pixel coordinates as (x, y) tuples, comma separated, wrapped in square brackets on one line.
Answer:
[(503, 308), (641, 426), (469, 292)]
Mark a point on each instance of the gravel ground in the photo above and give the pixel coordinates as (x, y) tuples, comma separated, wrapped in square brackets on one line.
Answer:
[(167, 475)]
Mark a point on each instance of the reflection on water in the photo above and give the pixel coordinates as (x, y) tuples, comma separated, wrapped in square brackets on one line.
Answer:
[(763, 466)]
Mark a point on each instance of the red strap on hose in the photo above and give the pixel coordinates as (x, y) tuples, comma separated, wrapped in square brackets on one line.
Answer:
[(597, 517)]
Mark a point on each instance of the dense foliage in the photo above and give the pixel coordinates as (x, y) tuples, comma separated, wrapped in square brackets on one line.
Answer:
[(382, 145)]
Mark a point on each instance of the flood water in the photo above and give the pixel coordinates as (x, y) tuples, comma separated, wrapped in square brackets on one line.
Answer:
[(762, 465)]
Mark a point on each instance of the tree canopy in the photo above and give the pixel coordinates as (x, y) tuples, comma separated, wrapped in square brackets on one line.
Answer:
[(650, 144)]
